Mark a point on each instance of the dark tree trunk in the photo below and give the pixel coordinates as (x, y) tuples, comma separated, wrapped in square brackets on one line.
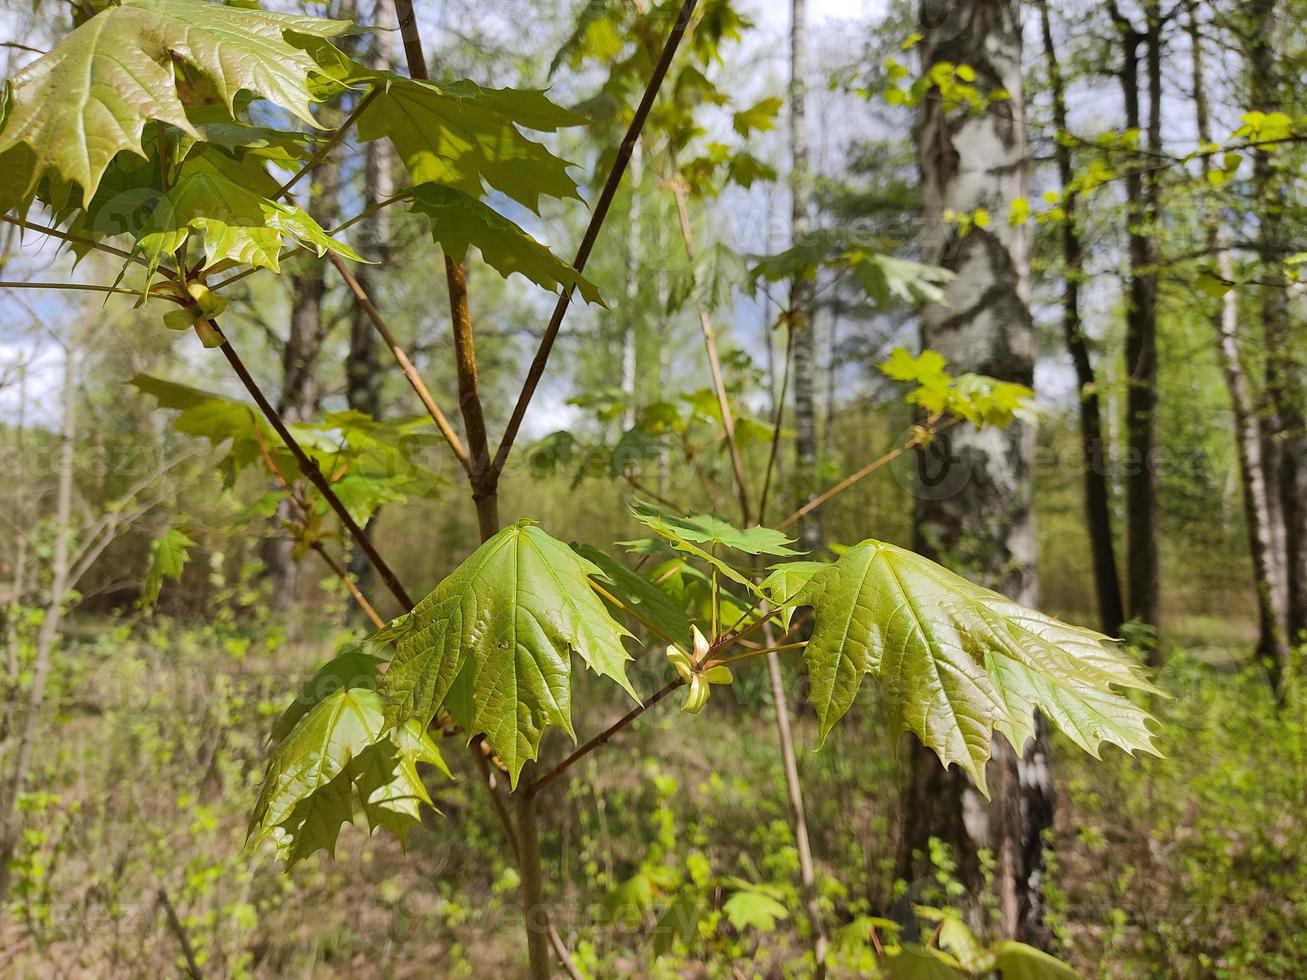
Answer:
[(974, 512), (1142, 558), (1094, 456)]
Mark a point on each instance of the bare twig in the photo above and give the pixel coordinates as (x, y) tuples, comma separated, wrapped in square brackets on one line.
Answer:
[(340, 573), (483, 480)]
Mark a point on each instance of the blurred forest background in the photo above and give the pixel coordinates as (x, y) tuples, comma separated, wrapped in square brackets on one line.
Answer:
[(1155, 199)]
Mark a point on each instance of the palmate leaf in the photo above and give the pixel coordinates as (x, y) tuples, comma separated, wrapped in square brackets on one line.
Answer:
[(467, 137), (710, 529), (459, 221), (218, 420), (786, 581), (956, 661), (90, 98), (641, 597), (691, 534), (333, 754), (168, 556), (505, 622), (232, 207), (368, 460)]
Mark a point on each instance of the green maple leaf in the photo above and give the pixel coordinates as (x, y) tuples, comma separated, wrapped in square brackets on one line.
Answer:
[(333, 752), (641, 597), (506, 622), (956, 661), (90, 98), (231, 207), (787, 581), (669, 528), (754, 910), (885, 278), (712, 530), (759, 117), (168, 556), (912, 962), (468, 137), (690, 534), (459, 221), (218, 420)]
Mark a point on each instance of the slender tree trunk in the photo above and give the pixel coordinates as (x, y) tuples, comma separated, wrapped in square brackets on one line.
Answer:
[(20, 570), (630, 333), (802, 287), (832, 378), (1093, 448), (363, 372), (784, 736), (10, 822), (976, 514), (1285, 452), (794, 788), (1142, 556), (1268, 573)]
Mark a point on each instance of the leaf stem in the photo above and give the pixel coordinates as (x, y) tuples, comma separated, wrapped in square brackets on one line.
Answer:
[(751, 654), (372, 209), (647, 624), (603, 737), (80, 240), (91, 287), (337, 135)]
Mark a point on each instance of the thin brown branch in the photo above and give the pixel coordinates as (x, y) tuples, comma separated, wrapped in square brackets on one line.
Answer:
[(79, 240), (560, 950), (597, 217), (329, 144), (350, 584), (603, 737), (312, 472), (714, 362), (917, 439), (406, 365), (90, 287), (408, 30), (179, 933)]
